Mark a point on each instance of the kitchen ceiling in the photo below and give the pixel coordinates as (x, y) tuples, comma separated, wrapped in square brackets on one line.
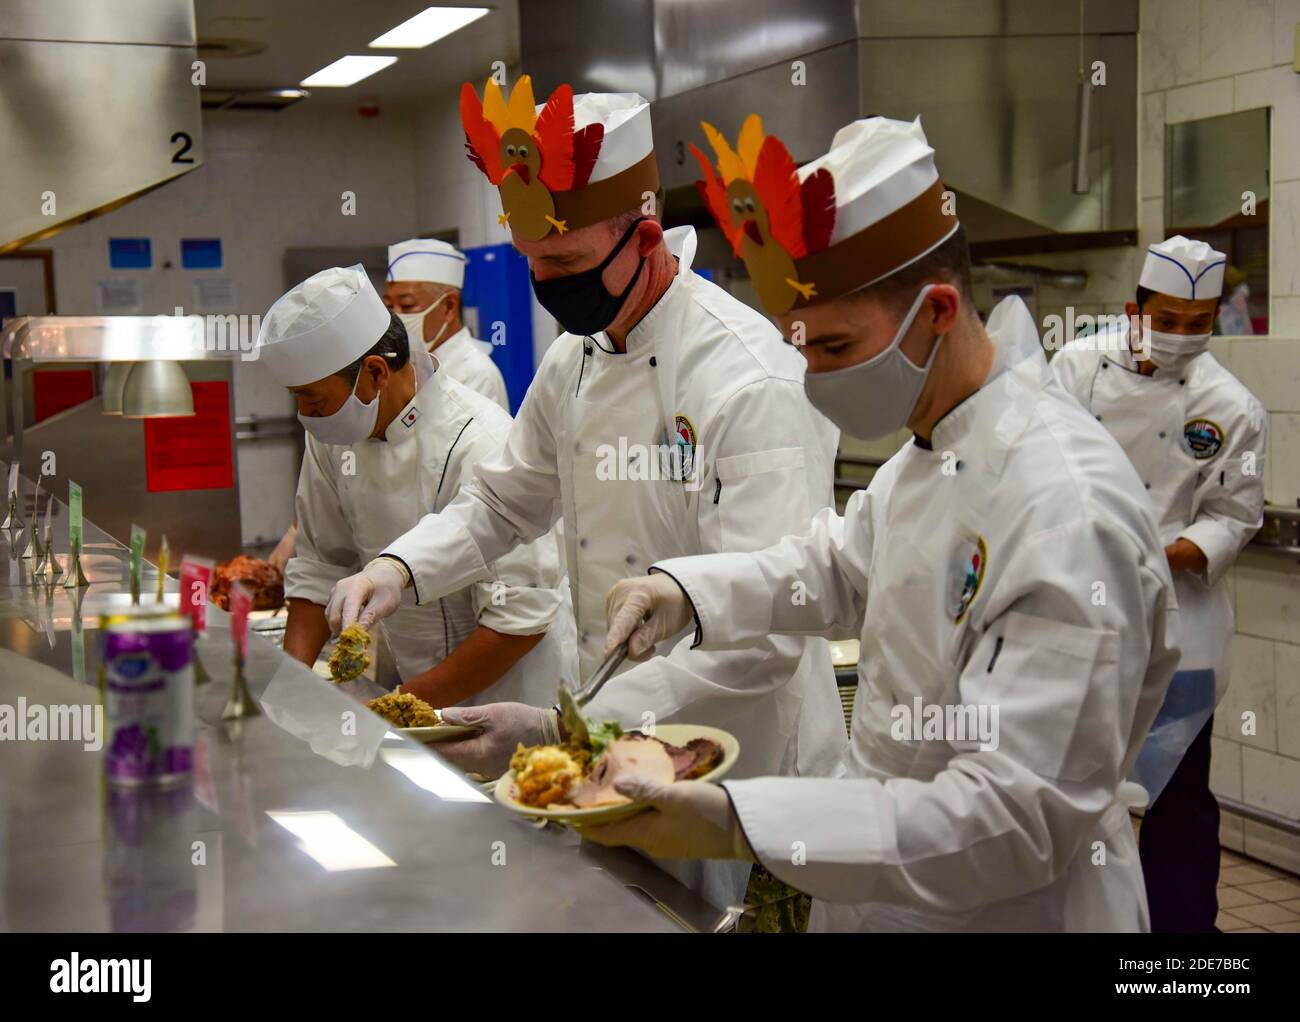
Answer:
[(302, 36)]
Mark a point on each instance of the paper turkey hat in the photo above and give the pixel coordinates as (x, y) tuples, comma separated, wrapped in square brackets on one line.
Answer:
[(1184, 268), (866, 209), (424, 259), (568, 163), (321, 326)]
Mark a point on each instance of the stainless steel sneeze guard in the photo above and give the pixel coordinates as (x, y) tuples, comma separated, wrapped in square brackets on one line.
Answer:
[(293, 821)]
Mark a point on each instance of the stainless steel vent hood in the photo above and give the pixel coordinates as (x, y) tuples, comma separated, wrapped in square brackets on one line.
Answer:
[(994, 82), (97, 106)]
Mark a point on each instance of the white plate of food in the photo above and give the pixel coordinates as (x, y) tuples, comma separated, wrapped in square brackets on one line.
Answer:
[(559, 783), (413, 717), (435, 733)]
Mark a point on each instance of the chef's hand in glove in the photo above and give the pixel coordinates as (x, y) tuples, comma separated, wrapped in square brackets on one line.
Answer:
[(503, 726), (687, 820), (366, 597), (645, 611)]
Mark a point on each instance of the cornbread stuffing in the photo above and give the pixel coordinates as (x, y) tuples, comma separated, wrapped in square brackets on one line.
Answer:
[(548, 773), (349, 658), (405, 710)]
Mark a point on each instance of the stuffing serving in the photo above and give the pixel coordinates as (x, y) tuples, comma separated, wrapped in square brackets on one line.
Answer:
[(349, 658), (405, 710)]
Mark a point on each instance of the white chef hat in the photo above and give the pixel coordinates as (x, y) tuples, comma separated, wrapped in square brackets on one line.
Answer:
[(869, 207), (322, 325), (425, 259), (597, 153), (627, 139), (878, 166), (1183, 268)]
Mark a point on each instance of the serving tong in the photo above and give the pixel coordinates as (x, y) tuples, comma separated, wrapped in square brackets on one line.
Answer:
[(571, 703)]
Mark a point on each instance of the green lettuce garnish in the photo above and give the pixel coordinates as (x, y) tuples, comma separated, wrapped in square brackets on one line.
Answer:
[(602, 733)]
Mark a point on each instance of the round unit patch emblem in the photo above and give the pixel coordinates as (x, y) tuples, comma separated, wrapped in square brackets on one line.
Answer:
[(967, 575), (682, 453), (1203, 438)]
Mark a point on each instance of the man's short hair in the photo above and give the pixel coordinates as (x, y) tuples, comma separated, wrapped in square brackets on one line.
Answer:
[(1143, 293), (392, 347), (949, 263), (619, 224)]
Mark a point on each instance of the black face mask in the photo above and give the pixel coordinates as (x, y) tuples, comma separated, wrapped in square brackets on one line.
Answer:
[(579, 302)]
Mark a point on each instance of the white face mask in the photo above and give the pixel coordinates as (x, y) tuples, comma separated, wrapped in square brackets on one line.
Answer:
[(1174, 351), (876, 397), (414, 323), (351, 424)]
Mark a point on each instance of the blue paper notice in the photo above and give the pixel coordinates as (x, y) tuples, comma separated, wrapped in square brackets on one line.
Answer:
[(129, 254), (201, 253)]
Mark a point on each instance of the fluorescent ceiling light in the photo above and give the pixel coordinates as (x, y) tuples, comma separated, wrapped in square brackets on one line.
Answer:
[(330, 841), (430, 25), (347, 71)]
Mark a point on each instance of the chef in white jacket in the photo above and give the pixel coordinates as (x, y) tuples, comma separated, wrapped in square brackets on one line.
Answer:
[(1196, 436), (1003, 572), (424, 287), (390, 440), (425, 279), (668, 420)]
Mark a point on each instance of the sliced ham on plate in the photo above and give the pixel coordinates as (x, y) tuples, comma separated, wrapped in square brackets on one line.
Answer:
[(629, 756)]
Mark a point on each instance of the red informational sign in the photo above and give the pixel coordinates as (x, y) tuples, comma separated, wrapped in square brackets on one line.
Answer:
[(196, 584), (54, 390), (241, 602), (192, 452)]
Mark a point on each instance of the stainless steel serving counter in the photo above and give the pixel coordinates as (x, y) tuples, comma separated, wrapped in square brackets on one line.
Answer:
[(291, 822)]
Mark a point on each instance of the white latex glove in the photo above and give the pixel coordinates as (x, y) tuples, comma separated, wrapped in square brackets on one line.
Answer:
[(504, 726), (649, 609), (366, 597), (687, 820)]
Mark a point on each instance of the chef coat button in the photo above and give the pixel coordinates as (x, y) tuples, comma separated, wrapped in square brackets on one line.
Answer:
[(631, 559), (1182, 383), (960, 465), (583, 543), (586, 349), (653, 361), (1099, 418), (1103, 364), (1147, 485), (584, 637), (1162, 434)]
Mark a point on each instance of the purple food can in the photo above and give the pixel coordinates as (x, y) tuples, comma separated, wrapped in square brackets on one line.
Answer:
[(149, 701)]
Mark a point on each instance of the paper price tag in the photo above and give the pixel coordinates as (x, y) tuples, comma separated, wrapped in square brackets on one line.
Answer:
[(241, 604), (164, 555), (137, 562), (196, 584), (74, 516)]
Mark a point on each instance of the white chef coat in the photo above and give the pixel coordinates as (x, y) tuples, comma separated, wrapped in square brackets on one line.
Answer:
[(1015, 565), (354, 498), (1197, 440), (706, 367), (466, 359)]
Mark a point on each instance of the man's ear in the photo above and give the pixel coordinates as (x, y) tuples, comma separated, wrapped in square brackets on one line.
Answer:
[(648, 235), (377, 370), (945, 301), (453, 304)]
